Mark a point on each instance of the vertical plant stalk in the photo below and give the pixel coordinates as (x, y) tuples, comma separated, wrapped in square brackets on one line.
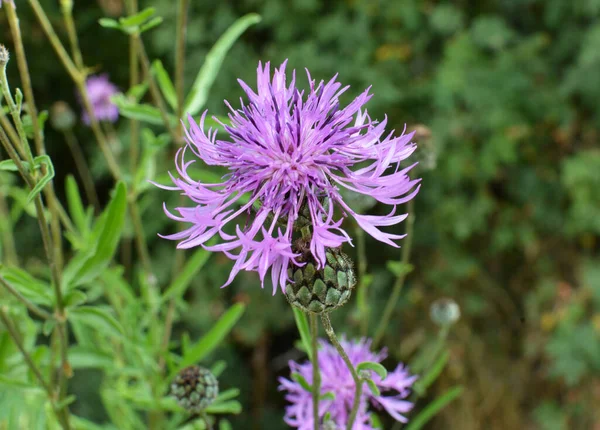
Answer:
[(67, 11), (357, 380), (362, 296), (82, 167), (134, 79), (154, 90), (8, 127), (49, 193), (8, 239), (399, 283), (79, 78), (180, 59), (316, 383)]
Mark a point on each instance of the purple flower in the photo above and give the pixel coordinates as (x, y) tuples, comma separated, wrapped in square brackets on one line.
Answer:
[(100, 90), (336, 379), (289, 151)]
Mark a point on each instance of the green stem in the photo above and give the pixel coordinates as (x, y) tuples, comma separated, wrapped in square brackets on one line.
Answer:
[(37, 133), (134, 79), (17, 340), (67, 11), (316, 383), (140, 238), (180, 58), (8, 127), (362, 296), (31, 306), (155, 91), (8, 239), (83, 168), (357, 381), (399, 283)]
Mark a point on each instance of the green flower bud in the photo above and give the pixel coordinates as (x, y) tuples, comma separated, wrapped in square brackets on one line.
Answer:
[(324, 290), (62, 116), (195, 388), (4, 56)]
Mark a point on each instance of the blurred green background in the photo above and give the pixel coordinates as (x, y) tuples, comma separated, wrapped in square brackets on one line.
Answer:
[(507, 222)]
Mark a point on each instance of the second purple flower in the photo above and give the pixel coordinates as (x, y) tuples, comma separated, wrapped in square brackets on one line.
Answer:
[(291, 153)]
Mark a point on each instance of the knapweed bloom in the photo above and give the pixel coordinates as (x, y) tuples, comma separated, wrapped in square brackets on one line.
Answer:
[(337, 380), (289, 152), (100, 90)]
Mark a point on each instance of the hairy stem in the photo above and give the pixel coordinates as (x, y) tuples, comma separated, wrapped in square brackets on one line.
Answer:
[(180, 58), (8, 238), (316, 383), (357, 381), (399, 283)]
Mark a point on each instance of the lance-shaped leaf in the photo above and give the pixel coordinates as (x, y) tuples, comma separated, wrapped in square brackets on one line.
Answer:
[(165, 83), (212, 64)]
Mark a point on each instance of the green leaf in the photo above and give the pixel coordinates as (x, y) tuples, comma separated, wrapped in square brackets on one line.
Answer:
[(375, 367), (74, 298), (88, 264), (8, 166), (214, 337), (373, 387), (302, 381), (330, 395), (225, 425), (182, 281), (33, 289), (108, 23), (43, 181), (89, 358), (66, 401), (140, 112), (230, 407), (154, 22), (75, 204), (97, 318), (302, 324), (137, 19), (165, 83), (227, 395), (11, 383), (48, 326), (430, 377), (433, 408), (218, 368), (212, 64), (399, 268), (137, 91)]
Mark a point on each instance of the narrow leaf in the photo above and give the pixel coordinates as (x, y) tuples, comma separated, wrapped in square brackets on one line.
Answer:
[(373, 387), (108, 23), (212, 64), (302, 381), (97, 318), (432, 374), (31, 288), (182, 281), (75, 204), (302, 324), (375, 367), (230, 407), (165, 83), (137, 19), (42, 182), (227, 395), (154, 22), (214, 337), (8, 165), (433, 408)]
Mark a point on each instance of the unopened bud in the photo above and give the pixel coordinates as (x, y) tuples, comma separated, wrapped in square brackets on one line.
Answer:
[(62, 116), (4, 55), (445, 312), (195, 388)]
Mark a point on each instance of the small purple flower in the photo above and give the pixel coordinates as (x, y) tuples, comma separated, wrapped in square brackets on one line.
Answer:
[(100, 90), (289, 151), (336, 379)]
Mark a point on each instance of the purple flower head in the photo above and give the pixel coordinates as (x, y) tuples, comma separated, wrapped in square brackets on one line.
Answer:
[(336, 379), (100, 90), (289, 152)]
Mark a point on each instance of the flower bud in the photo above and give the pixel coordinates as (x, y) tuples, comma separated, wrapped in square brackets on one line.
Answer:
[(444, 312), (195, 388), (62, 116), (4, 55), (324, 290)]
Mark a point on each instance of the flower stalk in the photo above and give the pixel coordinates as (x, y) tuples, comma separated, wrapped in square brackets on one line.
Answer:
[(357, 380), (316, 383)]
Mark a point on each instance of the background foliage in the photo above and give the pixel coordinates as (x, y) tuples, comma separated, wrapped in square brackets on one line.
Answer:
[(507, 223)]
